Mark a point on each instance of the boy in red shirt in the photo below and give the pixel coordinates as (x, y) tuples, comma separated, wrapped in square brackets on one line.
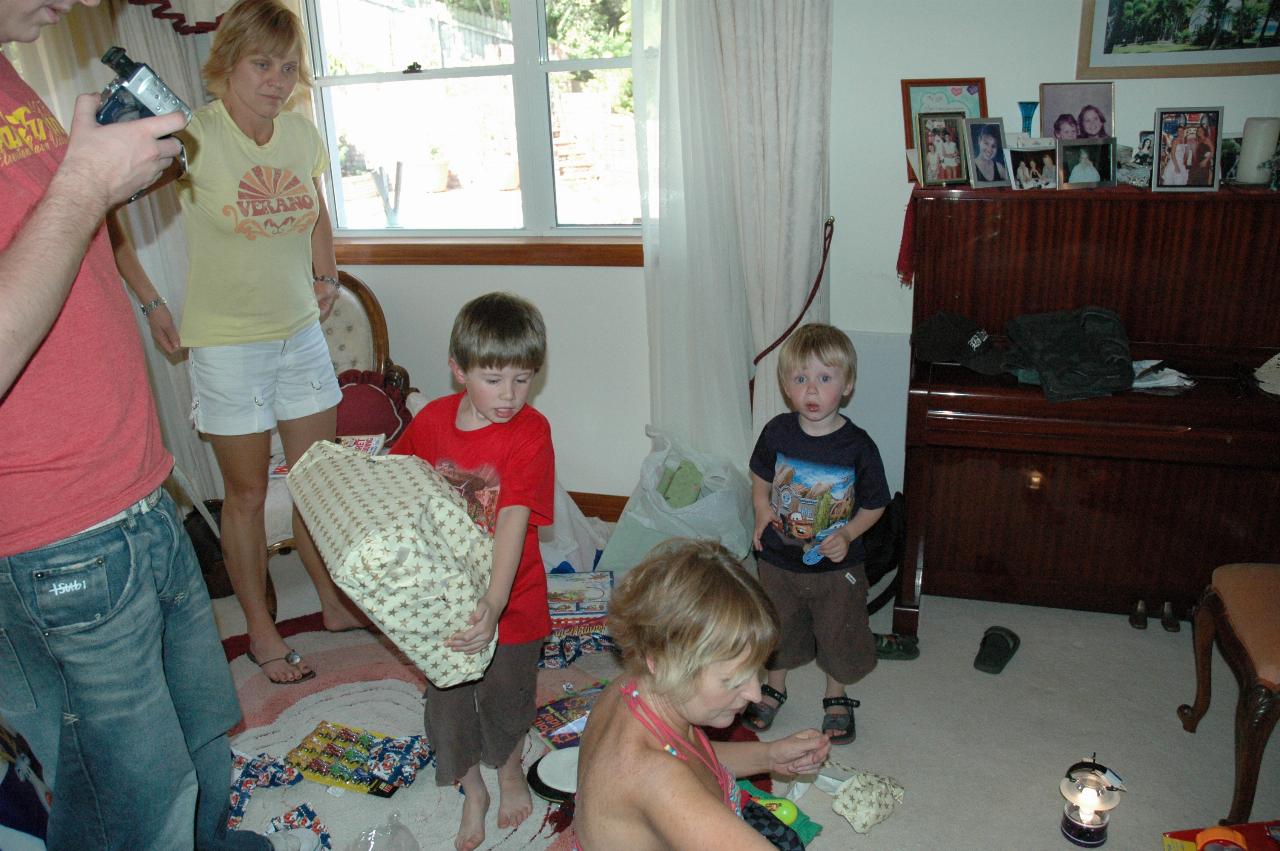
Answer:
[(496, 450)]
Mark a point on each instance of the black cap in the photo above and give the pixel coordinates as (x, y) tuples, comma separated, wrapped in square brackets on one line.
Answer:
[(951, 338)]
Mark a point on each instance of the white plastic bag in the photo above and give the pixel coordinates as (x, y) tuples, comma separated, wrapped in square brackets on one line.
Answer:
[(722, 510), (573, 538)]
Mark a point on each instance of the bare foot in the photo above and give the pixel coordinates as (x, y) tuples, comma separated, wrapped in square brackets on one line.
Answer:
[(269, 655), (475, 805), (514, 801)]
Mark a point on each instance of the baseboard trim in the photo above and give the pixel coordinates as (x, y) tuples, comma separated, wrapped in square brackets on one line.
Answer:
[(603, 505)]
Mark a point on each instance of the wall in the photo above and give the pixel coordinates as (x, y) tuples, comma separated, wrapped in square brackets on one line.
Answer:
[(596, 392)]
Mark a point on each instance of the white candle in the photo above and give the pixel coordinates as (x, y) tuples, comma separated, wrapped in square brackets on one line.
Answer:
[(1257, 146)]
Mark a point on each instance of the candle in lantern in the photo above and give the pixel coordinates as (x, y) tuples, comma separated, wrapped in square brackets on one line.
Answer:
[(1257, 146)]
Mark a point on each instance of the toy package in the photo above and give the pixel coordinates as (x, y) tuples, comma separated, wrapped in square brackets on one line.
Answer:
[(560, 723), (360, 760)]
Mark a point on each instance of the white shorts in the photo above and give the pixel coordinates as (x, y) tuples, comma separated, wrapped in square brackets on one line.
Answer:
[(246, 388)]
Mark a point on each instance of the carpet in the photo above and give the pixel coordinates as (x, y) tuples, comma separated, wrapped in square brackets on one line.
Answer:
[(363, 681)]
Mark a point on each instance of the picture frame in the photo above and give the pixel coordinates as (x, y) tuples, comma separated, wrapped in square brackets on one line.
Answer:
[(1033, 164), (1144, 154), (1086, 163), (1228, 156), (1067, 108), (984, 148), (942, 156), (939, 94), (1187, 149), (1104, 52)]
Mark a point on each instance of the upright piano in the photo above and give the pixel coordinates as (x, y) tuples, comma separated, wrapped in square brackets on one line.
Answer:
[(1094, 504)]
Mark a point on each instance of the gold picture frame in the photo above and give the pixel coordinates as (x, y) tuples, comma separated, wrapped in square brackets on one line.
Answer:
[(1094, 61)]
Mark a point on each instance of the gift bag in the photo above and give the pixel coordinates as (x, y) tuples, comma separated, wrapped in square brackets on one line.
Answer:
[(397, 539), (722, 509), (573, 543)]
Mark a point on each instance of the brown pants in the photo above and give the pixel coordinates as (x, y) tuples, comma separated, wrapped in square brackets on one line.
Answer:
[(823, 616), (486, 719)]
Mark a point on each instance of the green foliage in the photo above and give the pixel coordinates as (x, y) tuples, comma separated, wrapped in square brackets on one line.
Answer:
[(350, 160), (590, 28)]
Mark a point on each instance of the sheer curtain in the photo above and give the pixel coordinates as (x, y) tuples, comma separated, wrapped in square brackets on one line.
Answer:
[(732, 110)]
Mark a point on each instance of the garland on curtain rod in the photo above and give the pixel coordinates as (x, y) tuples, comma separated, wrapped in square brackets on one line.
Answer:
[(188, 16)]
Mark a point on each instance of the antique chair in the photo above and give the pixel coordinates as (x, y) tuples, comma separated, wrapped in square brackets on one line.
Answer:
[(356, 332), (1241, 609)]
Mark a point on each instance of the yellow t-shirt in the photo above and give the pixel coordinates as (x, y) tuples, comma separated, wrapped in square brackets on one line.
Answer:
[(249, 211)]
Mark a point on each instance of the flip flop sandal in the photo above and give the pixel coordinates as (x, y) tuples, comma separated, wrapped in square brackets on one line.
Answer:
[(292, 659), (997, 648), (890, 645), (758, 717), (841, 724)]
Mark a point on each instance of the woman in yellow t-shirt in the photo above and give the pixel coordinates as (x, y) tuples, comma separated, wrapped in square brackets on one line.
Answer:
[(262, 277)]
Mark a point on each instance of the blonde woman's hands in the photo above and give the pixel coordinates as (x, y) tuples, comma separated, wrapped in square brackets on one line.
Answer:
[(163, 330), (326, 296), (800, 753)]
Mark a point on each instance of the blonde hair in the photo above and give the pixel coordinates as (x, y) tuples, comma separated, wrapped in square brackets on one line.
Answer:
[(831, 346), (252, 26), (497, 330), (687, 605)]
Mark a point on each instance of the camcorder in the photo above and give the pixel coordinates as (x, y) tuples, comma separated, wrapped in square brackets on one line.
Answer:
[(136, 92)]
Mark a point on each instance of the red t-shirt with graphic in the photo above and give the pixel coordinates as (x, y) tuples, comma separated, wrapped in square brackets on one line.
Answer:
[(500, 465), (79, 439)]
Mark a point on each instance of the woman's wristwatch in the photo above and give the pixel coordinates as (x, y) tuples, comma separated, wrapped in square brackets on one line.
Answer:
[(326, 279), (152, 305)]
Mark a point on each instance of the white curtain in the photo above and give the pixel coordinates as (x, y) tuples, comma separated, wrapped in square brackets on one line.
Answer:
[(732, 111), (776, 56)]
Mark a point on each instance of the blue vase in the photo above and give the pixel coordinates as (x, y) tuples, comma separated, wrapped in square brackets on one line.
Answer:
[(1028, 109)]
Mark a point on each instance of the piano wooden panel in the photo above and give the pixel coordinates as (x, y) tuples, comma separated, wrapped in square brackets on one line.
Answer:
[(1098, 503)]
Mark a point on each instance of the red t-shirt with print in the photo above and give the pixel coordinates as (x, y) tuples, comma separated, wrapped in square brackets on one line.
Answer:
[(79, 439), (502, 464)]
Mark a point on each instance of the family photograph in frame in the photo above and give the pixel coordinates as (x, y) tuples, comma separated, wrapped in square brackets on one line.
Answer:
[(1086, 163), (942, 160), (1228, 155), (967, 95), (984, 140), (1077, 110), (1188, 149), (1034, 164)]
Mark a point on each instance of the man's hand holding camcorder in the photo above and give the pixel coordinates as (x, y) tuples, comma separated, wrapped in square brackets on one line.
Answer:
[(107, 164)]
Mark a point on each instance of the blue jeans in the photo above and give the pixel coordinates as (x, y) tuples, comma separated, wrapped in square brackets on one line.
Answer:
[(111, 668)]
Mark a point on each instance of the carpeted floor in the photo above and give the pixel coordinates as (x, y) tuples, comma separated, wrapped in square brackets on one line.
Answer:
[(980, 756)]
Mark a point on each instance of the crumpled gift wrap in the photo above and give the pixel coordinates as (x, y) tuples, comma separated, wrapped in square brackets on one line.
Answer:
[(867, 799), (397, 539)]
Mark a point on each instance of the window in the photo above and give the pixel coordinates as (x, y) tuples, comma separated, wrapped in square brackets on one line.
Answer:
[(473, 117)]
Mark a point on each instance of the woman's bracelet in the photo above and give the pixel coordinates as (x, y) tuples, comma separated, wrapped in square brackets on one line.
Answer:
[(326, 279), (152, 305)]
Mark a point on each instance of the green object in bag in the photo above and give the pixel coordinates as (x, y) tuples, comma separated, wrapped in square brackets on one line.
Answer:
[(684, 487)]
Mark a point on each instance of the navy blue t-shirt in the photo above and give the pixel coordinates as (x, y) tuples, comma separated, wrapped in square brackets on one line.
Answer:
[(818, 483)]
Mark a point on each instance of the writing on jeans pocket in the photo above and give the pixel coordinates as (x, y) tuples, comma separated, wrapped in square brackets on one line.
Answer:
[(57, 589)]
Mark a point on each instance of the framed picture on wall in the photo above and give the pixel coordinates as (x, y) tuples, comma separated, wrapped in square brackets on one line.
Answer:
[(1034, 164), (1077, 110), (984, 144), (1124, 39), (1086, 163), (942, 160), (1188, 147), (966, 95)]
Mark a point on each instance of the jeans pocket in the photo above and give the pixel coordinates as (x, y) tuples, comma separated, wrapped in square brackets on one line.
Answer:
[(72, 595), (15, 691)]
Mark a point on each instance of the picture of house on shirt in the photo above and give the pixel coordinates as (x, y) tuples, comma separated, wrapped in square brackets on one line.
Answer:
[(808, 498)]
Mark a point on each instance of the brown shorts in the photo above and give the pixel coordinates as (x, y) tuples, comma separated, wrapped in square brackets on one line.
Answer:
[(484, 720), (823, 617)]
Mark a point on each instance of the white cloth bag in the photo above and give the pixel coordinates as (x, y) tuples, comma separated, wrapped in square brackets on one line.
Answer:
[(397, 539)]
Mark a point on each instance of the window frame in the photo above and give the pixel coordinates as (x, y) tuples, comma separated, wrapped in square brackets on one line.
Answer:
[(529, 73)]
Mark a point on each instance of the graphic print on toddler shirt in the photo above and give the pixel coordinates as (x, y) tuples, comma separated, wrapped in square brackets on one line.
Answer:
[(272, 202), (808, 498)]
